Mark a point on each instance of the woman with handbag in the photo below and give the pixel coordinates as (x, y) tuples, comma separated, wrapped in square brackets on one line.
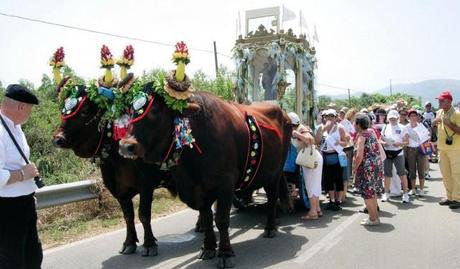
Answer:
[(332, 138), (302, 138), (418, 134), (368, 167)]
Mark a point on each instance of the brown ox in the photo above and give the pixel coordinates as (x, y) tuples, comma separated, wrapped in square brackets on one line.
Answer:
[(81, 131), (216, 166)]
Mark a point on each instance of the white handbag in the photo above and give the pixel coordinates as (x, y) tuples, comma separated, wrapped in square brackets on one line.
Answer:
[(307, 157)]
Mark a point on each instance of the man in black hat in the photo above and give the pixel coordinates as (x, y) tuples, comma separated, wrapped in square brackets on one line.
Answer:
[(20, 246)]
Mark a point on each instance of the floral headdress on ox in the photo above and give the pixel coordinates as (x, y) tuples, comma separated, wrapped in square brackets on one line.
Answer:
[(178, 84), (107, 93)]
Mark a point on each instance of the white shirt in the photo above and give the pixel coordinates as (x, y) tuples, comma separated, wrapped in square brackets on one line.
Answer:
[(392, 134), (11, 160), (348, 126), (417, 135)]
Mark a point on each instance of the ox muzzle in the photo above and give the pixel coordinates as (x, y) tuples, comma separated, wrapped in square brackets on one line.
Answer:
[(128, 148)]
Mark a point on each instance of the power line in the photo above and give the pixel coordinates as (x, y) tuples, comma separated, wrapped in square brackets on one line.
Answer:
[(339, 87), (103, 33)]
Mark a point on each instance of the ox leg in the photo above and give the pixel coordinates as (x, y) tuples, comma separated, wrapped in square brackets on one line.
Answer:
[(272, 196), (150, 247), (129, 246), (208, 250), (226, 256)]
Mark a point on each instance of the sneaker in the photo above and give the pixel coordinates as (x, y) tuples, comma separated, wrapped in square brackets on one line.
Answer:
[(454, 205), (421, 193), (412, 192), (405, 198), (445, 201), (427, 176), (355, 190), (368, 222), (330, 205), (385, 197)]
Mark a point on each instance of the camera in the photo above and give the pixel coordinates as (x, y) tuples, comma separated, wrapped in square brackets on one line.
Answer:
[(449, 140)]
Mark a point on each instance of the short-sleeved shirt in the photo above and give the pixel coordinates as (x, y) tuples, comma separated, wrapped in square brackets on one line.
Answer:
[(392, 134), (11, 160), (455, 119)]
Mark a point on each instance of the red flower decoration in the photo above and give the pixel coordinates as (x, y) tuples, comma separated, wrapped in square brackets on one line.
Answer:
[(128, 53), (59, 55), (181, 47), (105, 53)]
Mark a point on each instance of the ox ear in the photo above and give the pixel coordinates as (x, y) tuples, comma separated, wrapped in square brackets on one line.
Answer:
[(191, 109), (126, 83), (62, 83)]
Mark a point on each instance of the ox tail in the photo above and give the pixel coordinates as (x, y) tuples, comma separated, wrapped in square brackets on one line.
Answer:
[(285, 199)]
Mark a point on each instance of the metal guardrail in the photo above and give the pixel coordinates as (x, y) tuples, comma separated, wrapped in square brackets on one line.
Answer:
[(65, 193)]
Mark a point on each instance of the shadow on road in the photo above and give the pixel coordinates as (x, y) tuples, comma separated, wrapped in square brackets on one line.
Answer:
[(270, 251), (382, 228)]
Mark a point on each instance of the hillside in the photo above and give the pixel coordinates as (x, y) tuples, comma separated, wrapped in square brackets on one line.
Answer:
[(428, 90)]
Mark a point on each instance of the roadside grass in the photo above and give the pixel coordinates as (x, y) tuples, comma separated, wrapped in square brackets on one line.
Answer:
[(69, 223)]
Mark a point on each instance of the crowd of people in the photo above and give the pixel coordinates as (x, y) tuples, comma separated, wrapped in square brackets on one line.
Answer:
[(380, 152)]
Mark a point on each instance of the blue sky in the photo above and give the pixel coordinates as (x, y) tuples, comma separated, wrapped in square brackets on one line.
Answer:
[(363, 43)]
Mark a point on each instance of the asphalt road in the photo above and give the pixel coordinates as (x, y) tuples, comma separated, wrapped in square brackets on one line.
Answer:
[(419, 235)]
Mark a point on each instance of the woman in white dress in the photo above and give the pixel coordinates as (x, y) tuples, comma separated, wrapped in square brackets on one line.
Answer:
[(302, 137)]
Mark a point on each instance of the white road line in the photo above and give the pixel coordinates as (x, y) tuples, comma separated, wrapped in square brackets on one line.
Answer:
[(326, 242)]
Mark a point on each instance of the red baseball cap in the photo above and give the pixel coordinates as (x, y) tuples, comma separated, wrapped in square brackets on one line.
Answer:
[(445, 95)]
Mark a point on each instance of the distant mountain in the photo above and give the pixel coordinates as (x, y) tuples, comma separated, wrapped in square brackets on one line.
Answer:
[(428, 90)]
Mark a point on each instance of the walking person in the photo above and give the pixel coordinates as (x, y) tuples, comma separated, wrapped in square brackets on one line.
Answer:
[(394, 138), (303, 137), (418, 134), (368, 168), (20, 247), (448, 122)]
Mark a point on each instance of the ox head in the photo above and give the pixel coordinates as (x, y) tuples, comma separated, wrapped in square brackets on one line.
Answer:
[(151, 127), (80, 119)]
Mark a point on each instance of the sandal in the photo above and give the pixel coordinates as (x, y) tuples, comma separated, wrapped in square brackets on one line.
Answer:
[(309, 217), (320, 214)]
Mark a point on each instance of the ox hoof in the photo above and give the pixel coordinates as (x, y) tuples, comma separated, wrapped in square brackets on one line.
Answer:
[(269, 233), (207, 254), (127, 249), (226, 262), (149, 251)]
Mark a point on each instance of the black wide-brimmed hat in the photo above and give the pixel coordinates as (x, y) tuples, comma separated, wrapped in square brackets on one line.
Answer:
[(20, 93)]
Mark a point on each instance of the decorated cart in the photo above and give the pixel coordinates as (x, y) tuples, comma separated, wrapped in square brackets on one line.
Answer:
[(274, 65)]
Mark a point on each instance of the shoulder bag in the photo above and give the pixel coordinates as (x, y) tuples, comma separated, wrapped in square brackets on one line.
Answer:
[(307, 157)]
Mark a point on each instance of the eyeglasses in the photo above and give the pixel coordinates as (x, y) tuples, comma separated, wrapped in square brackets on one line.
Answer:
[(403, 114)]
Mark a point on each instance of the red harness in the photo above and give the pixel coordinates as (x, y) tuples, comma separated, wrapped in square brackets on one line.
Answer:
[(80, 105)]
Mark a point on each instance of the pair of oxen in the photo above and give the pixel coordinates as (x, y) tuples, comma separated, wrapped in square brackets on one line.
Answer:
[(210, 172)]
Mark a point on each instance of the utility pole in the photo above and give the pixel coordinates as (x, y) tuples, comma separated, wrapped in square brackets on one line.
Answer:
[(349, 98), (391, 90), (215, 58)]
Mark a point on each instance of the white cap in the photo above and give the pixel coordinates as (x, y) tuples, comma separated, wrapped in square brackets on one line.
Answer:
[(364, 110), (294, 118), (393, 114), (330, 111)]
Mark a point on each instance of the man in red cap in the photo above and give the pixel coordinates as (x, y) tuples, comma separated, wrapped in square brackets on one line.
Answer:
[(448, 121)]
